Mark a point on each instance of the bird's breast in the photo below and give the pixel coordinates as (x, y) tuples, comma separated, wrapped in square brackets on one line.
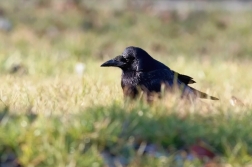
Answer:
[(130, 83), (129, 79)]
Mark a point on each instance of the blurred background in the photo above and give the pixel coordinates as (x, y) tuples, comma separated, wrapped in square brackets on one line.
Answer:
[(59, 108), (78, 30)]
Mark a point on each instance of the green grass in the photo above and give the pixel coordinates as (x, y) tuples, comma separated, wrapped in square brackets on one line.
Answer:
[(52, 116)]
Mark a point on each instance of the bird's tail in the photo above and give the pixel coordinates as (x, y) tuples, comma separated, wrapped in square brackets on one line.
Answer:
[(202, 94)]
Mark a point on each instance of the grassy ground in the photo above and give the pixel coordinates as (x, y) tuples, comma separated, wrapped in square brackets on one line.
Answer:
[(52, 115)]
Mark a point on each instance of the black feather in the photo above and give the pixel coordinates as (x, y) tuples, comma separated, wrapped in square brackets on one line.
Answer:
[(185, 79)]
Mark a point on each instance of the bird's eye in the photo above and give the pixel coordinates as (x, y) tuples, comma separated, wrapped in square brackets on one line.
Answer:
[(127, 59), (122, 59), (131, 58)]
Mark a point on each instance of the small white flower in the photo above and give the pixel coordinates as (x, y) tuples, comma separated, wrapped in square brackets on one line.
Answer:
[(79, 68)]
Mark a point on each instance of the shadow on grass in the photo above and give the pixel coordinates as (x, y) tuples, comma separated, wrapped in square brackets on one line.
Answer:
[(123, 131)]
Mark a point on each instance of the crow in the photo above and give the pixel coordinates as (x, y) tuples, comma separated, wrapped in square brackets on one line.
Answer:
[(142, 73)]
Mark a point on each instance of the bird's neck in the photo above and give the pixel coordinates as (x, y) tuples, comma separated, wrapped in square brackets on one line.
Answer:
[(129, 73)]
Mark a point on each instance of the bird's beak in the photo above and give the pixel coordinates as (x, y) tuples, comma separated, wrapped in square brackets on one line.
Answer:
[(113, 63)]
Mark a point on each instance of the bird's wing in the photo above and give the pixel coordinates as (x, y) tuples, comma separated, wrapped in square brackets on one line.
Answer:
[(184, 78), (152, 80)]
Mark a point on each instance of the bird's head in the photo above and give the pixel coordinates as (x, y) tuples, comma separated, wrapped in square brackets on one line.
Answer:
[(132, 59)]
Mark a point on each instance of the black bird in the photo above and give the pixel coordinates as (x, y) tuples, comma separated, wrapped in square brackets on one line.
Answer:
[(141, 72)]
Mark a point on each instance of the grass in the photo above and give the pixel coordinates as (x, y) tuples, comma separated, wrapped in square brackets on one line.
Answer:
[(50, 115)]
